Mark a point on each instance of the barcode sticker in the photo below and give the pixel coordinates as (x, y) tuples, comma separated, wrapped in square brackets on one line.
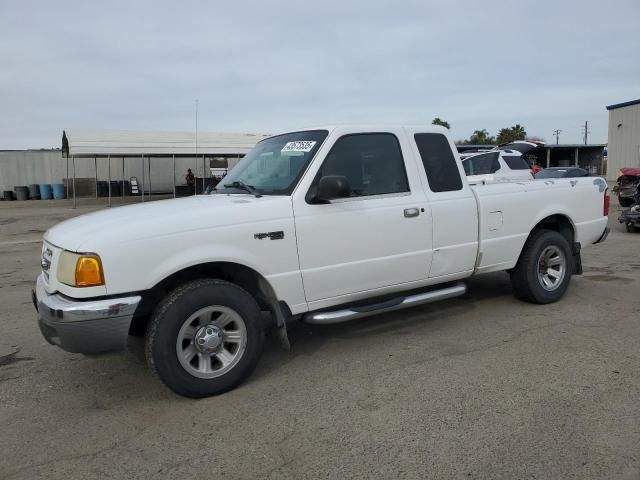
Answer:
[(299, 146)]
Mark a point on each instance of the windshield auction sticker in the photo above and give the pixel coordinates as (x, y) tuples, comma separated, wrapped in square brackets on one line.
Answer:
[(300, 146)]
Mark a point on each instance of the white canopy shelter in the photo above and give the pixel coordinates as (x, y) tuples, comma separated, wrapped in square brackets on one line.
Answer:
[(121, 144), (89, 143)]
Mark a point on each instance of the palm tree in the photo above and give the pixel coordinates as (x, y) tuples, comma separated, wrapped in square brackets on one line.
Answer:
[(519, 133), (444, 123), (481, 137)]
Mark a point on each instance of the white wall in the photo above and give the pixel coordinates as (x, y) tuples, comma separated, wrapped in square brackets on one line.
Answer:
[(624, 141)]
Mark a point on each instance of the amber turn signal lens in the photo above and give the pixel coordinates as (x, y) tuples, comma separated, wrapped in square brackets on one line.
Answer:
[(89, 272)]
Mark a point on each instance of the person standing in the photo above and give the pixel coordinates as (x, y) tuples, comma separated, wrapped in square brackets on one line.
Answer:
[(191, 181)]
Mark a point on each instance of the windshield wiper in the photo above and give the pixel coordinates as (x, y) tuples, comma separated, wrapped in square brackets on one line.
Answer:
[(243, 186)]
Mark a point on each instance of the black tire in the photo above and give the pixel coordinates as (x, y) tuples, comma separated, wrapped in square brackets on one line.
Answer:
[(625, 202), (630, 228), (524, 277), (170, 316)]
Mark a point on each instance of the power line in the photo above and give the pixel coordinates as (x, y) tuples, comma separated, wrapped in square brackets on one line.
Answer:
[(556, 133)]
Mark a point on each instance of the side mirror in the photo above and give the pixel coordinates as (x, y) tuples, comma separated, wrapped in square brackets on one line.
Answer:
[(333, 186)]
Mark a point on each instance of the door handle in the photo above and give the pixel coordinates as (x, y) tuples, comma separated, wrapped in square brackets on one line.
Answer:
[(411, 212)]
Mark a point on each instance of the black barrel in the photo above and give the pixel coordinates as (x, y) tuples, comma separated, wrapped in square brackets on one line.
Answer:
[(116, 191), (34, 191), (8, 195), (22, 192), (103, 189)]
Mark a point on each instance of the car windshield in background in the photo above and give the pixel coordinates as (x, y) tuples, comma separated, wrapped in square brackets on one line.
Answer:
[(274, 166), (551, 173)]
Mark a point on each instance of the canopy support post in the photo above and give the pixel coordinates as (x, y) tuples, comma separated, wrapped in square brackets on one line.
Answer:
[(149, 160), (73, 159), (122, 180), (67, 178), (548, 157), (174, 175), (95, 165), (109, 158), (204, 172), (142, 189)]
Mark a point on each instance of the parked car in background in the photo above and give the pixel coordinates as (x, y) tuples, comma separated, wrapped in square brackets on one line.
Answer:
[(562, 172), (470, 153), (626, 185), (496, 166)]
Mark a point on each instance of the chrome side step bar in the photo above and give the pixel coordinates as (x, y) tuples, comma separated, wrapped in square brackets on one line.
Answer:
[(339, 316)]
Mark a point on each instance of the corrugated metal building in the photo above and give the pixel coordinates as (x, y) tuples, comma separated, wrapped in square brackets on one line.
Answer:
[(624, 137)]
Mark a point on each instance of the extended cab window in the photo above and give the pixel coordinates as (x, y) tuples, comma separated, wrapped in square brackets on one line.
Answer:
[(516, 162), (482, 164), (439, 163), (371, 162)]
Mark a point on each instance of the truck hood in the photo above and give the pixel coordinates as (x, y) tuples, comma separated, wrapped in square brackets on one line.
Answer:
[(165, 217)]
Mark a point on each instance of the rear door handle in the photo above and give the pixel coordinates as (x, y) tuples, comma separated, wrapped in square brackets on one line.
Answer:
[(411, 212)]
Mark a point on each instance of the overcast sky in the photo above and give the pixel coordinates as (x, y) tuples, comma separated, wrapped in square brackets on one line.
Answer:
[(267, 66)]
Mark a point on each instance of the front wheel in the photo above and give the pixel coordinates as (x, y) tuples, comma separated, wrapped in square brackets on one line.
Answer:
[(544, 268), (205, 338)]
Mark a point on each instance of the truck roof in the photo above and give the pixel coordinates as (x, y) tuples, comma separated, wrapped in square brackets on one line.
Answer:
[(370, 127)]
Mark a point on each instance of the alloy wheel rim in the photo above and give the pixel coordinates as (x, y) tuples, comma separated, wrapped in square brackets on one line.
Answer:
[(552, 266), (211, 341)]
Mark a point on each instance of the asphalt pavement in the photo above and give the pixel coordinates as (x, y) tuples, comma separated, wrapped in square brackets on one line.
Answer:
[(478, 387)]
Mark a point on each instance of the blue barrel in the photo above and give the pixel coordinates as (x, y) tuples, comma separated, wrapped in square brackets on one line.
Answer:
[(58, 191), (45, 191)]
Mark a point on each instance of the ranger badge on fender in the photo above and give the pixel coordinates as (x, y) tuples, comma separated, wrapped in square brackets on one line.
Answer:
[(279, 235)]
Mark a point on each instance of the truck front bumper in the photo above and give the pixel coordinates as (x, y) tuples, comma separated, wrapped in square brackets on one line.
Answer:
[(84, 326)]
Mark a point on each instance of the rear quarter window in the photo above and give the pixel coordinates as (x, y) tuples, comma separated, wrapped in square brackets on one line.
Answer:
[(439, 163), (515, 162)]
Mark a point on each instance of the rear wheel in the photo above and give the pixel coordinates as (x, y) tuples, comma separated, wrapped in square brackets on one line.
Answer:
[(544, 268), (205, 338)]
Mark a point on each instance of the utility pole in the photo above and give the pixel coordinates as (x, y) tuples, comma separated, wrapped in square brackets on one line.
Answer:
[(556, 133), (586, 131)]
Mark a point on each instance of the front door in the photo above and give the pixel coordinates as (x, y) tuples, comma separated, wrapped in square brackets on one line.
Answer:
[(380, 236)]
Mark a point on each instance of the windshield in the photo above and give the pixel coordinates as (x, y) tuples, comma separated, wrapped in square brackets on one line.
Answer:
[(274, 165)]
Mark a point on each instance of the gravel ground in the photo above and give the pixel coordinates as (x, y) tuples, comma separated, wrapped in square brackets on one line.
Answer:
[(482, 386)]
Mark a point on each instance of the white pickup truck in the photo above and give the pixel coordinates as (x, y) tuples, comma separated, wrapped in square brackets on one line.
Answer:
[(323, 226)]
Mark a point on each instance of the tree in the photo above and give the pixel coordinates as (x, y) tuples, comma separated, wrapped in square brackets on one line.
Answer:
[(444, 123), (480, 137), (511, 134)]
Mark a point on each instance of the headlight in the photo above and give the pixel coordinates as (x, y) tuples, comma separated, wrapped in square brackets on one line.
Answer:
[(80, 269)]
